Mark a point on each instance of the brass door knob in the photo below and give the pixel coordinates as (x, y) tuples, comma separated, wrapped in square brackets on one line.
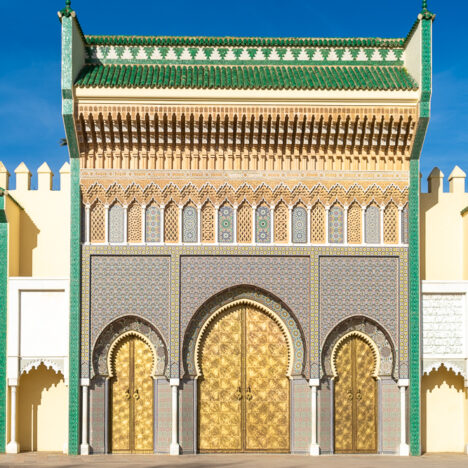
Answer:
[(127, 394), (359, 395), (248, 394), (136, 395), (350, 394), (238, 394)]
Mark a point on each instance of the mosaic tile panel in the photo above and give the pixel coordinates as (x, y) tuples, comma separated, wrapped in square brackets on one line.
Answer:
[(163, 415), (186, 416), (363, 286), (116, 223), (201, 277), (372, 225), (336, 225), (126, 285), (390, 415), (263, 225), (97, 415), (189, 224), (153, 223), (226, 224), (299, 225), (301, 416), (325, 409)]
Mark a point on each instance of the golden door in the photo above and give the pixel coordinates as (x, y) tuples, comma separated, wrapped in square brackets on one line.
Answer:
[(132, 398), (243, 398), (355, 398)]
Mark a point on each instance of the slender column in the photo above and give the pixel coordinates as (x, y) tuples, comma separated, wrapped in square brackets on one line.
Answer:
[(400, 211), (381, 224), (216, 224), (363, 224), (290, 230), (125, 209), (309, 209), (199, 224), (84, 447), (175, 448), (254, 222), (87, 226), (327, 211), (181, 228), (272, 224), (345, 225), (314, 446), (404, 447), (106, 219), (234, 224), (161, 225), (13, 445), (143, 223)]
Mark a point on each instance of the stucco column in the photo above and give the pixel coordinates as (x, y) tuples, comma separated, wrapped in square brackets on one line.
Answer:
[(404, 447), (87, 225), (216, 226), (272, 224), (254, 221), (84, 447), (314, 446), (175, 448), (13, 445), (106, 221)]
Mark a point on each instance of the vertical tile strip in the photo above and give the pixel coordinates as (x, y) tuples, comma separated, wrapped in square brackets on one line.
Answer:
[(3, 318), (174, 318)]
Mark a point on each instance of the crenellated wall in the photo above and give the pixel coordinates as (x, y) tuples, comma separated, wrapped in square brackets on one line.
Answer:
[(39, 222), (444, 228)]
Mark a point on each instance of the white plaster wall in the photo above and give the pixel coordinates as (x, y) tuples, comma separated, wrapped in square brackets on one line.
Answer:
[(38, 317)]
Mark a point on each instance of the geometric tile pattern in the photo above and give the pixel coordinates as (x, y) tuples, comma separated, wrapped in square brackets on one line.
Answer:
[(202, 277), (390, 407), (404, 225), (116, 223), (299, 225), (225, 224), (263, 225), (153, 223), (121, 286), (189, 224), (238, 55), (336, 225), (372, 221)]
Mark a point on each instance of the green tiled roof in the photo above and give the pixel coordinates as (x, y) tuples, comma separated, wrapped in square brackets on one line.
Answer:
[(245, 41), (246, 77)]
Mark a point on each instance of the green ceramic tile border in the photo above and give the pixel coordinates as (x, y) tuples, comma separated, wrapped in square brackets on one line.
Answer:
[(425, 19), (75, 247), (3, 318)]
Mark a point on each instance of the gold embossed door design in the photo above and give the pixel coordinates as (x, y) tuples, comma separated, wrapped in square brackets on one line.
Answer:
[(355, 398), (132, 397), (243, 398)]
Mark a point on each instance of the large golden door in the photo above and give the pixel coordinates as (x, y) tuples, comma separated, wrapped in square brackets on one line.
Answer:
[(243, 398), (132, 398), (355, 398)]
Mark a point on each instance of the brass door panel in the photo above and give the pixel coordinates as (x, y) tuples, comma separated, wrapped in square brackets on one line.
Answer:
[(244, 389), (132, 398), (355, 398)]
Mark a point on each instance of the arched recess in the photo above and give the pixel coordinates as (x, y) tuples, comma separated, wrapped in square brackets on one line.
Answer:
[(373, 333), (260, 299), (116, 331)]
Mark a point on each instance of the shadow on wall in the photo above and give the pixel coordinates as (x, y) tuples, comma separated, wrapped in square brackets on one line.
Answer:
[(42, 410), (443, 411), (28, 242)]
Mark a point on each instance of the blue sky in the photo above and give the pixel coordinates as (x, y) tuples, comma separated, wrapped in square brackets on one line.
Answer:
[(30, 120)]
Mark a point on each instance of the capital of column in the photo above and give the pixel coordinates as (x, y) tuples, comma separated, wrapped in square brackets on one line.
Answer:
[(174, 382), (314, 382), (85, 382), (403, 382)]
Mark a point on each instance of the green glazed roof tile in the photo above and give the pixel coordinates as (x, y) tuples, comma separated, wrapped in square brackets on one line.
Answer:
[(246, 77)]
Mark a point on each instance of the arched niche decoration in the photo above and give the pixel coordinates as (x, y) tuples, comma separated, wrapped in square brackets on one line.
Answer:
[(373, 334), (366, 339), (261, 299), (116, 331), (230, 306), (57, 365)]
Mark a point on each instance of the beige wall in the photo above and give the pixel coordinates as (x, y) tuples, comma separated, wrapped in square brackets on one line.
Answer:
[(42, 411), (42, 247), (443, 408), (442, 235), (13, 214)]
